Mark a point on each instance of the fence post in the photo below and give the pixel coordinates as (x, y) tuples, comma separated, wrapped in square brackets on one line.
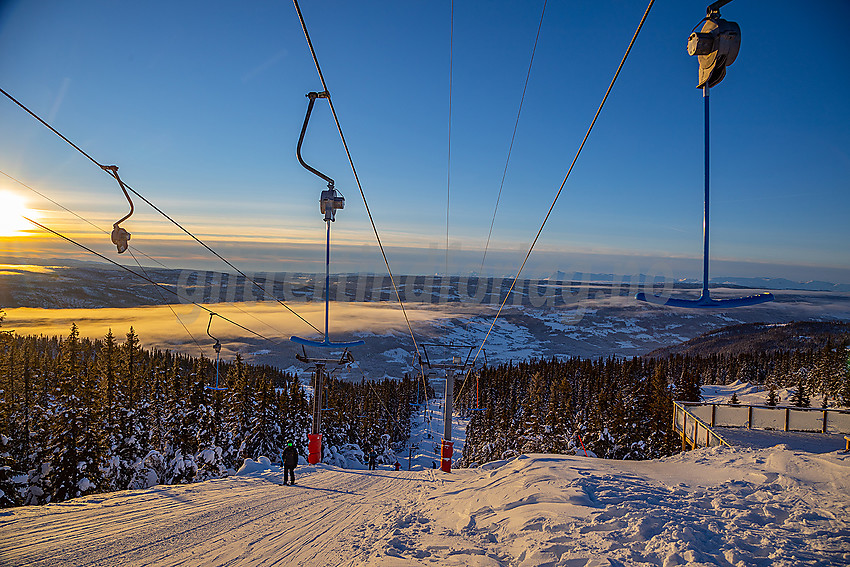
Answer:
[(750, 417), (787, 411), (823, 429), (713, 408)]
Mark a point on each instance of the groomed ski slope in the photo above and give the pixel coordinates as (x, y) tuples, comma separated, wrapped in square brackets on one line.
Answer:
[(715, 506)]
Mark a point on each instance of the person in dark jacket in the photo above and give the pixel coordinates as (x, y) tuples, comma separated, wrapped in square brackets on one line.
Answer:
[(373, 458), (290, 461)]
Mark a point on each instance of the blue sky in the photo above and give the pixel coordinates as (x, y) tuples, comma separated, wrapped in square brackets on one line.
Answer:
[(201, 103)]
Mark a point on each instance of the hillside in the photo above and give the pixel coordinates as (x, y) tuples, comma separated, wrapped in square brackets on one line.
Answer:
[(760, 337)]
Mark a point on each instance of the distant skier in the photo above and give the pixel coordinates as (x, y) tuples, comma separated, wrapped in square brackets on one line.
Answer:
[(397, 465), (373, 459), (290, 461)]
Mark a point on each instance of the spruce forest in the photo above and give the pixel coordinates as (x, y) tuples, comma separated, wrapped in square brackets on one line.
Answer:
[(82, 416), (621, 409)]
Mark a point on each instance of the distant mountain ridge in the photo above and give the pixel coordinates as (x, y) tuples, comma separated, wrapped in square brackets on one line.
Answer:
[(760, 337), (732, 281)]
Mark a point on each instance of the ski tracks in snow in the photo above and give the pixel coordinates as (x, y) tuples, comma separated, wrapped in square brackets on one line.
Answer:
[(332, 517)]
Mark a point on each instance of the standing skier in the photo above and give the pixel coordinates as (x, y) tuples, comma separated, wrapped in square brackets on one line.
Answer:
[(373, 458), (290, 461)]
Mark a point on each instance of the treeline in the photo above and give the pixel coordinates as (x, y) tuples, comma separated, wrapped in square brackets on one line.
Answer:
[(80, 416), (621, 409)]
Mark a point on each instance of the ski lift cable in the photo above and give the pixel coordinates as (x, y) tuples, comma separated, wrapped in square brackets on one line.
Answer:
[(513, 136), (136, 249), (130, 249), (356, 178), (560, 189), (173, 312), (147, 279), (112, 171), (82, 218)]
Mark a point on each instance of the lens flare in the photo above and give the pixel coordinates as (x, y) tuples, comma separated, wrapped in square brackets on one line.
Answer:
[(13, 209)]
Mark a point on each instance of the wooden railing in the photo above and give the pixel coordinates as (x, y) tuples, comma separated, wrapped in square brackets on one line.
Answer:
[(784, 418), (693, 431)]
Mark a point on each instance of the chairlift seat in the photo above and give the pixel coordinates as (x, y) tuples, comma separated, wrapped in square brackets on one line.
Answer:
[(325, 343)]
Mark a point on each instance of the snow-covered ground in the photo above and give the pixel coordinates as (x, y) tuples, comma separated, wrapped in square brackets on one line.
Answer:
[(719, 506), (711, 506)]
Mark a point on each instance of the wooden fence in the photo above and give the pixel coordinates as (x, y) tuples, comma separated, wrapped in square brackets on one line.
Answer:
[(693, 431), (783, 418)]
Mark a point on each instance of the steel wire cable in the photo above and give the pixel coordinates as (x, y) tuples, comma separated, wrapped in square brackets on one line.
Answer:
[(130, 249), (110, 170), (357, 180), (560, 189), (147, 279), (513, 137), (173, 312)]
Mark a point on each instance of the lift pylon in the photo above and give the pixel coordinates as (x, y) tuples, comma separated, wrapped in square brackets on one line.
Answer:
[(457, 364)]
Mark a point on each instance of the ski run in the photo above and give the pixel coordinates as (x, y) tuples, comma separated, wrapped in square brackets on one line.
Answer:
[(740, 506)]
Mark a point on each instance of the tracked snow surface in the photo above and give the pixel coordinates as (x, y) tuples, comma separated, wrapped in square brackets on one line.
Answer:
[(719, 506)]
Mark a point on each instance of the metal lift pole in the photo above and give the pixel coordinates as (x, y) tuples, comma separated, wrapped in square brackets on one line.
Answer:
[(447, 406), (705, 203), (318, 388), (328, 278)]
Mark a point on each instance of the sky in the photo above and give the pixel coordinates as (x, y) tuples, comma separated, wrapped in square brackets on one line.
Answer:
[(201, 103)]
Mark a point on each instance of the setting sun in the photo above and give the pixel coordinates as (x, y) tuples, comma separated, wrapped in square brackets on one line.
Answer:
[(12, 213)]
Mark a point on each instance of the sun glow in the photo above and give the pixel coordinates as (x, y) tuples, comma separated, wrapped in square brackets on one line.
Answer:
[(13, 209)]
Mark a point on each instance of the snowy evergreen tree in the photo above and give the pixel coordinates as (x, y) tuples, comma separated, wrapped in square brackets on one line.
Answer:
[(128, 438), (772, 398), (265, 435), (800, 397)]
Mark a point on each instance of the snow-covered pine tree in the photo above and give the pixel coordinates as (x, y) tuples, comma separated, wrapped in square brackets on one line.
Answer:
[(531, 416), (66, 423), (14, 420), (296, 416), (241, 407), (94, 446), (264, 438), (209, 436), (844, 388), (180, 452), (687, 386), (800, 397), (772, 399), (129, 439)]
